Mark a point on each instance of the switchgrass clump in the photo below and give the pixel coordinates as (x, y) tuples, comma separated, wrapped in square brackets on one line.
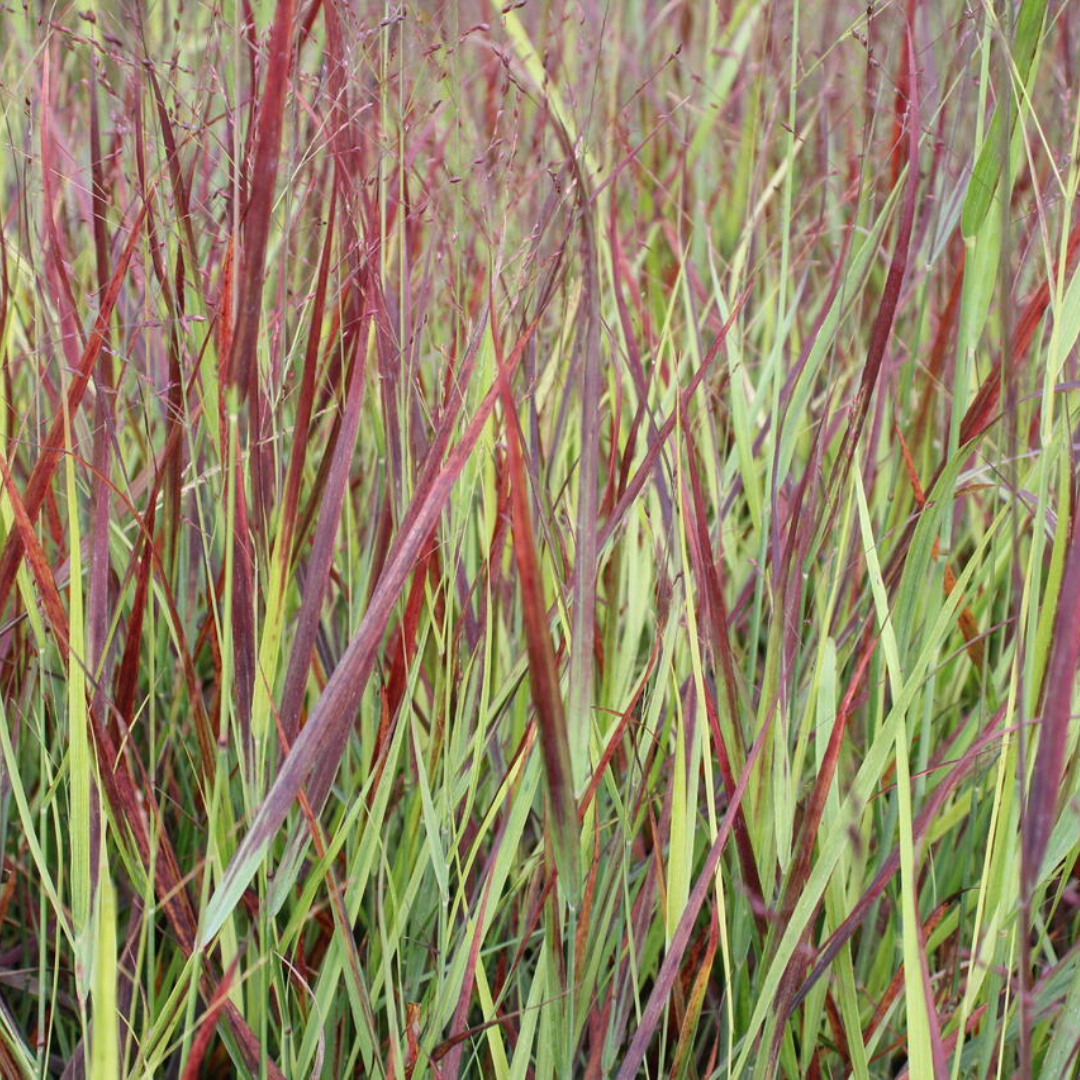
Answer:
[(539, 539)]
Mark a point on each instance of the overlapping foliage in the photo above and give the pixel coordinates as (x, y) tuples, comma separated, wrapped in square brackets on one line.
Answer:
[(539, 539)]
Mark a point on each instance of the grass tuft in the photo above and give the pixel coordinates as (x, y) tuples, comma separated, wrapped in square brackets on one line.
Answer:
[(539, 539)]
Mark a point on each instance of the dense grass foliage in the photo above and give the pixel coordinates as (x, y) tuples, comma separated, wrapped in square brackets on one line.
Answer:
[(539, 539)]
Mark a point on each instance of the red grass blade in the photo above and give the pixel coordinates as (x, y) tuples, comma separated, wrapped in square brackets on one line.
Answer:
[(207, 1025), (242, 363), (39, 564), (543, 671)]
